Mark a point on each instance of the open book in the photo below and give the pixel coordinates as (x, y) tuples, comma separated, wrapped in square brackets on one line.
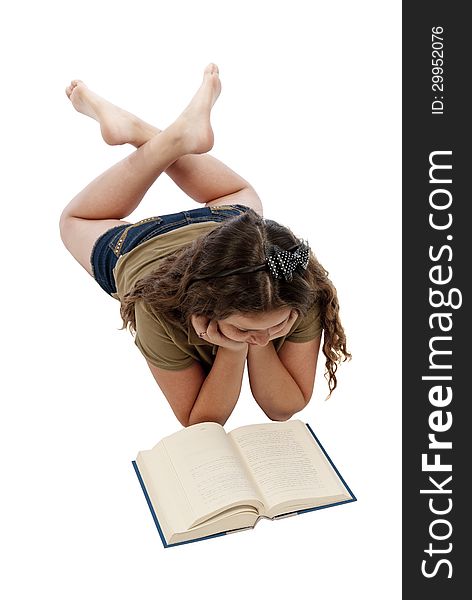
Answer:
[(201, 481)]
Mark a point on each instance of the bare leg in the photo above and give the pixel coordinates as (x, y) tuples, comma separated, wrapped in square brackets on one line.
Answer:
[(202, 177), (118, 191)]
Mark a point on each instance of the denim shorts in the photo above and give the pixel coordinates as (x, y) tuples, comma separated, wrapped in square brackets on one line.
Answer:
[(121, 239)]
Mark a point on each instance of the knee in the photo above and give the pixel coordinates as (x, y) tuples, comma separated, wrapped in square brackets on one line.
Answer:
[(67, 228), (64, 225), (254, 201), (280, 417)]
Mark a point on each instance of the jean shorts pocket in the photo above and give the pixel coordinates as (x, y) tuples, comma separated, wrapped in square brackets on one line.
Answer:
[(116, 245), (229, 209)]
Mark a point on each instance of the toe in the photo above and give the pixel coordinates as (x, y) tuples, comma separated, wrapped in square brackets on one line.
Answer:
[(211, 68), (75, 83)]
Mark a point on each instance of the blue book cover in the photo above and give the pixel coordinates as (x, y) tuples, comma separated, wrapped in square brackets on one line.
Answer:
[(352, 498)]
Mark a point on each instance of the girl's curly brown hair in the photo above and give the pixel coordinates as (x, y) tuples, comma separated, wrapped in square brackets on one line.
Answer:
[(239, 241)]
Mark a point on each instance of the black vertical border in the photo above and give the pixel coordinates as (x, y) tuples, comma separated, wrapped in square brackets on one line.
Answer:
[(424, 133)]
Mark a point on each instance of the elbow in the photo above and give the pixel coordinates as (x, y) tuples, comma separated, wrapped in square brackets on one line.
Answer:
[(284, 417), (286, 414), (281, 416), (185, 422), (202, 419)]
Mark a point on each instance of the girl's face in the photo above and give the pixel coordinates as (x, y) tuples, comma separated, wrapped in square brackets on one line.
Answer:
[(256, 328)]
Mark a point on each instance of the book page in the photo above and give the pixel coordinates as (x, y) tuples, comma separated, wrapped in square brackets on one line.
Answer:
[(286, 462), (210, 470)]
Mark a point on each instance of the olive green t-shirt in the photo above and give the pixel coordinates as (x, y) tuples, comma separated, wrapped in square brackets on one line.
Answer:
[(162, 343)]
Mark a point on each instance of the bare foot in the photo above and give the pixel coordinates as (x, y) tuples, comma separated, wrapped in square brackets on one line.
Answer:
[(118, 126), (194, 123)]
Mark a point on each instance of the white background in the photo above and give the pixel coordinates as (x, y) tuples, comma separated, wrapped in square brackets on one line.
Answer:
[(310, 115)]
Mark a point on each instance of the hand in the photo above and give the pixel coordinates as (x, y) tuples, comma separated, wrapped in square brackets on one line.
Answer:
[(213, 335), (275, 332)]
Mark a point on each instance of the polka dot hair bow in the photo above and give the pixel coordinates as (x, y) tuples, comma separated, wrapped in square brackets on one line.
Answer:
[(282, 263)]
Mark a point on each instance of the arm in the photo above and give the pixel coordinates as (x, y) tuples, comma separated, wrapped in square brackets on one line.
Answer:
[(194, 397), (282, 384), (220, 390)]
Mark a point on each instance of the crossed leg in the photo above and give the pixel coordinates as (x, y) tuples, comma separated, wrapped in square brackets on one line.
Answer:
[(179, 150)]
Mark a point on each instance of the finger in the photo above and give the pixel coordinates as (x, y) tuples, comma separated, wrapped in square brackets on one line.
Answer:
[(199, 323), (277, 329), (213, 327), (219, 338), (212, 331), (286, 326), (195, 323)]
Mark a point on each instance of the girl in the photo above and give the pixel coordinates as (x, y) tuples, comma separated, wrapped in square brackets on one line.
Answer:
[(205, 290)]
